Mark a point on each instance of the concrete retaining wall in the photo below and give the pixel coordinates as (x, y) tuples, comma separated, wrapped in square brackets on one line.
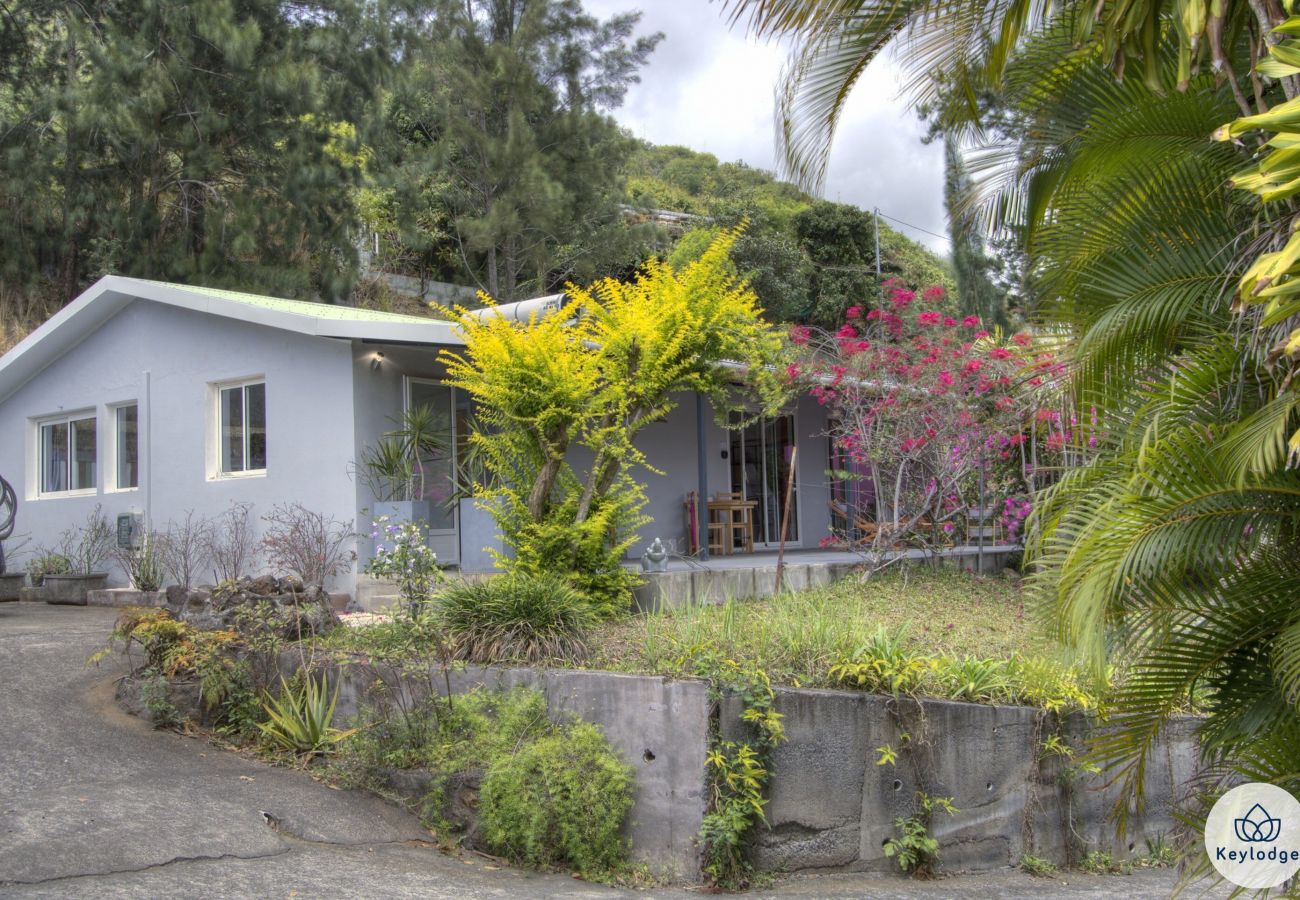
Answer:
[(658, 726), (831, 805), (664, 590)]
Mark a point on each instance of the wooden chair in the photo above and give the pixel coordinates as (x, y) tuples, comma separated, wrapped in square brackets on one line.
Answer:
[(864, 529)]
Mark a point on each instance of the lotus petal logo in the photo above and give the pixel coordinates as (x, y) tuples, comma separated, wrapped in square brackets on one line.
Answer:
[(1257, 826), (1245, 840)]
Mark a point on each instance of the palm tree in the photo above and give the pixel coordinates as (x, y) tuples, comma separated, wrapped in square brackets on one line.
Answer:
[(955, 50)]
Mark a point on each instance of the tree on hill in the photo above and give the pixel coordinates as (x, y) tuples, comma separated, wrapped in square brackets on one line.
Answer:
[(504, 161), (208, 142), (808, 260)]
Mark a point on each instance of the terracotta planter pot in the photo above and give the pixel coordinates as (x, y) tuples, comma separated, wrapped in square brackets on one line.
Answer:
[(71, 590)]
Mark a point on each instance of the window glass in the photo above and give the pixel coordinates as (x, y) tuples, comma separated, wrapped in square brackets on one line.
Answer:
[(54, 457), (242, 417), (128, 447), (255, 424), (232, 430), (83, 454), (68, 455)]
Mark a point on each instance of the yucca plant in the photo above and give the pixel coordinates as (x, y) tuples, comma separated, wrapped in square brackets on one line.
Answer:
[(299, 719)]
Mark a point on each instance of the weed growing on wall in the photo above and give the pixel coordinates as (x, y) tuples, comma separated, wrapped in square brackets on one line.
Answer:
[(913, 847), (738, 770)]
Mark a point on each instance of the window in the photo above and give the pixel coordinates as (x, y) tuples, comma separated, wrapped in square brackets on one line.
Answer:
[(67, 454), (241, 428), (126, 446)]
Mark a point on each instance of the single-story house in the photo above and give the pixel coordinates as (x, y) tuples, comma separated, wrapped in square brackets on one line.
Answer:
[(159, 399)]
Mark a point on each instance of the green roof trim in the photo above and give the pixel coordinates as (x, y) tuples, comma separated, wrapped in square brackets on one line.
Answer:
[(299, 307)]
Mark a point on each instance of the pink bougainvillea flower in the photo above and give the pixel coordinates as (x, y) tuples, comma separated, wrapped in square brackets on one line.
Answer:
[(1024, 338), (971, 321), (949, 321), (934, 292), (853, 312), (1000, 353), (929, 318), (792, 371), (800, 334), (846, 331), (874, 314), (981, 334)]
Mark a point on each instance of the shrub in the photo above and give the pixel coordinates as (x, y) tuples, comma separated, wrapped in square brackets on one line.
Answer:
[(143, 564), (1036, 866), (231, 546), (559, 800), (884, 663), (974, 679), (308, 544), (403, 555), (184, 548), (528, 618), (90, 546), (47, 562)]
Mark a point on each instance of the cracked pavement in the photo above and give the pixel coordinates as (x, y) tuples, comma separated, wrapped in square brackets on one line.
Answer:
[(96, 803)]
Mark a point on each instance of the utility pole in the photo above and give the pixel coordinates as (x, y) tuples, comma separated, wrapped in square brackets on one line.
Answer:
[(875, 212)]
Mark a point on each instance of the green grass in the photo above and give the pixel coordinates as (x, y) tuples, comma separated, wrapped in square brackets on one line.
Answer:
[(795, 638)]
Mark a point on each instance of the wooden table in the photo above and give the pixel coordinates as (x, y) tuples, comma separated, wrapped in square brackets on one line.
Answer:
[(729, 519)]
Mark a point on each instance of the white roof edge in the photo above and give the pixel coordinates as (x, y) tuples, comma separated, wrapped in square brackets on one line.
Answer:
[(109, 295)]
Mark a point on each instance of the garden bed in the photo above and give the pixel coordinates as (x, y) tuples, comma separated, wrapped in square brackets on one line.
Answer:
[(796, 637)]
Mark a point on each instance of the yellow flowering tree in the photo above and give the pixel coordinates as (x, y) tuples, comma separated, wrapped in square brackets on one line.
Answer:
[(582, 383)]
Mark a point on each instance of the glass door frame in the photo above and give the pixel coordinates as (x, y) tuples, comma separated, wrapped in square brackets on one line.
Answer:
[(736, 438), (407, 382)]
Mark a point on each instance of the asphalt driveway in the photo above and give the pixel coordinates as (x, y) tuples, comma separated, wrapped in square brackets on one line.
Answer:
[(96, 803)]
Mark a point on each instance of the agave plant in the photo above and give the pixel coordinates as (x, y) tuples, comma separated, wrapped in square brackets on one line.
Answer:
[(299, 719)]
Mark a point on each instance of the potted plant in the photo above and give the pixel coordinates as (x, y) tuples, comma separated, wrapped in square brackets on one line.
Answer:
[(396, 469), (87, 549)]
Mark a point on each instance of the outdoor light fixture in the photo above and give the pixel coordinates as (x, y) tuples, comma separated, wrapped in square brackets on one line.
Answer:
[(376, 362)]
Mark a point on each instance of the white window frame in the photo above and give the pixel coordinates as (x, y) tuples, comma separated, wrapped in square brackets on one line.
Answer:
[(111, 469), (66, 418), (214, 444)]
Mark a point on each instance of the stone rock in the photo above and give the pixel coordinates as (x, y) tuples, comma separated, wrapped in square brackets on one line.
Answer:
[(241, 606), (161, 701), (262, 586)]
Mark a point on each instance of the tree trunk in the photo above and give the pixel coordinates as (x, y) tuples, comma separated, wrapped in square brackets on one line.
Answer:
[(554, 446)]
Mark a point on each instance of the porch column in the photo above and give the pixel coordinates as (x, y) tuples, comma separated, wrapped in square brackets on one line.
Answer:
[(701, 456)]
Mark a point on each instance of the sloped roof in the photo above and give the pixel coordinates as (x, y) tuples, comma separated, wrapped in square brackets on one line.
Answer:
[(112, 293)]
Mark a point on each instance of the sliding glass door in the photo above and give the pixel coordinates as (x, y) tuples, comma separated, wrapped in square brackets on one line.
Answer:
[(760, 471), (447, 426)]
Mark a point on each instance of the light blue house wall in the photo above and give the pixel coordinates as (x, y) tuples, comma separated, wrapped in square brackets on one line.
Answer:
[(166, 359)]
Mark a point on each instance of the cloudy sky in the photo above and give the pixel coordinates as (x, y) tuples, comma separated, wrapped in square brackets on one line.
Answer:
[(710, 88)]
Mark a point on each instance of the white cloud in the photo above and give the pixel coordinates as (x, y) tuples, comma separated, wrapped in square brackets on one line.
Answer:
[(710, 87)]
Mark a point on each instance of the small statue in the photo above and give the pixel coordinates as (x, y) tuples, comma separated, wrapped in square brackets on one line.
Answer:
[(655, 558)]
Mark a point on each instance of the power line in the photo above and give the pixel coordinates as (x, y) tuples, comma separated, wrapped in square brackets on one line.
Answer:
[(916, 227)]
